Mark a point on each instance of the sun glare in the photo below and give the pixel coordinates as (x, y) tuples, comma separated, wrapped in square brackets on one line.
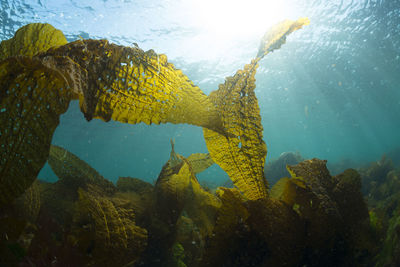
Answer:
[(223, 30), (229, 18)]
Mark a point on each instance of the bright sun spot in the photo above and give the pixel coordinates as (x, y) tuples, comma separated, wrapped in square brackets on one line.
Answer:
[(229, 18), (223, 30)]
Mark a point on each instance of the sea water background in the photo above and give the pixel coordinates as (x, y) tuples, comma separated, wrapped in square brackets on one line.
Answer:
[(331, 92)]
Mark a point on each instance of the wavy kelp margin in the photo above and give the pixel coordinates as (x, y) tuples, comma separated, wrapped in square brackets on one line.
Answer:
[(127, 85)]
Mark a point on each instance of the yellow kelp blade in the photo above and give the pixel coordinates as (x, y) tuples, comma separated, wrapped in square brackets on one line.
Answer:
[(129, 85), (32, 98), (275, 37), (241, 152), (31, 39), (200, 162)]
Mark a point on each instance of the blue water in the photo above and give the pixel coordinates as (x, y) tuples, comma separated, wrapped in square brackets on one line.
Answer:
[(331, 92)]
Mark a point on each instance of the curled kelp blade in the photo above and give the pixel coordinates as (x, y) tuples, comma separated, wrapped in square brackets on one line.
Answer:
[(241, 152), (75, 172), (31, 39), (32, 98), (129, 85)]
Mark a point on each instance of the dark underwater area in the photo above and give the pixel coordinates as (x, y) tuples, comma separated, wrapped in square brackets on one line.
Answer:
[(348, 216)]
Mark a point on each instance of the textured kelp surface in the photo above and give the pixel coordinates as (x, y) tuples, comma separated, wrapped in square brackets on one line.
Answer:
[(241, 152), (32, 98), (110, 224), (200, 162), (129, 85)]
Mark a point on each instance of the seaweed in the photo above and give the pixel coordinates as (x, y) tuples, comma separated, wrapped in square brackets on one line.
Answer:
[(336, 203), (106, 227), (390, 253), (74, 172), (85, 220), (177, 188), (276, 168), (32, 39), (130, 184), (128, 85), (381, 185), (254, 233), (17, 225), (183, 212), (32, 98), (200, 162), (230, 220), (241, 153)]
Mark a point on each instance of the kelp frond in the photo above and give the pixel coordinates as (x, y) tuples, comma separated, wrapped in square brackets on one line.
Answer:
[(32, 97), (241, 152), (76, 172), (128, 85)]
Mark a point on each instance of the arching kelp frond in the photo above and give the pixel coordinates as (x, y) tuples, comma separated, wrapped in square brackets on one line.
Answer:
[(112, 82), (129, 85), (241, 152)]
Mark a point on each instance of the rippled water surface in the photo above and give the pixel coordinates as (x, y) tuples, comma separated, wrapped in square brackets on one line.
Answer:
[(331, 92)]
